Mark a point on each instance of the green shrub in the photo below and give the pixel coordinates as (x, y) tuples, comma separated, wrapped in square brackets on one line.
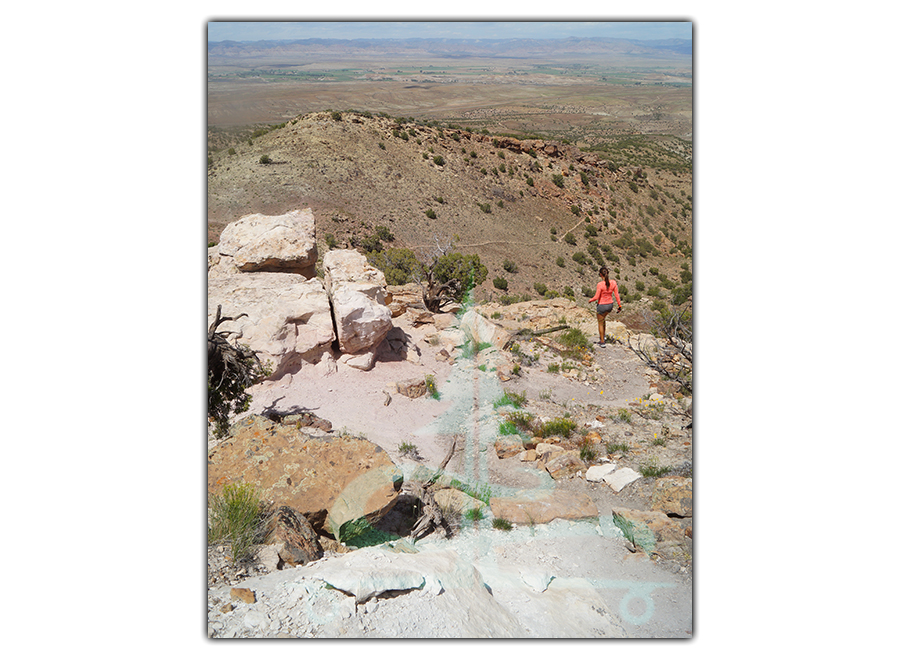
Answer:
[(568, 291), (586, 451), (467, 270), (336, 116), (265, 160), (430, 214), (553, 368), (569, 239), (560, 262), (500, 283), (653, 469), (557, 180), (576, 210), (502, 524), (540, 288), (231, 151), (579, 257), (474, 515), (612, 448), (330, 241), (236, 517), (407, 448), (561, 427), (529, 181), (573, 338), (622, 416), (400, 266), (521, 420), (510, 267), (508, 429), (438, 160), (517, 400), (431, 387)]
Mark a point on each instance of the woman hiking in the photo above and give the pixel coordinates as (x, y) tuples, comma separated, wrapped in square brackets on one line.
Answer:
[(606, 290)]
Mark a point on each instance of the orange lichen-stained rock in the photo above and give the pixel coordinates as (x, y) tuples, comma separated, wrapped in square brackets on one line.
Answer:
[(330, 480)]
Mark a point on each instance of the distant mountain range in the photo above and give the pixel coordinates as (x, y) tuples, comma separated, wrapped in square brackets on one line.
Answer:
[(458, 48)]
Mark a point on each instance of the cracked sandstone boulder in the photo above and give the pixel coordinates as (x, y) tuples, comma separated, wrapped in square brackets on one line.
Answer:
[(330, 480)]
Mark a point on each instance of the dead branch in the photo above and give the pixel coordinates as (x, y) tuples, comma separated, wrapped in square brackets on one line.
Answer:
[(431, 515)]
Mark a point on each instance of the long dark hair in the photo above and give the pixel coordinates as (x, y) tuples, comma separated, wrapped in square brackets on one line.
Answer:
[(604, 273)]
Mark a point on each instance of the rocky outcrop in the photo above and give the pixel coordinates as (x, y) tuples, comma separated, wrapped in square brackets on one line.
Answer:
[(330, 480), (282, 243), (288, 320), (357, 293), (401, 297), (674, 496)]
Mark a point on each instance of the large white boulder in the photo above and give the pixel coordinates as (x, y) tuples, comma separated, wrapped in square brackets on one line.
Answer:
[(288, 318), (357, 293), (285, 243)]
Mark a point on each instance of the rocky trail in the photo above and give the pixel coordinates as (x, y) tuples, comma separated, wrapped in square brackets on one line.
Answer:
[(567, 497)]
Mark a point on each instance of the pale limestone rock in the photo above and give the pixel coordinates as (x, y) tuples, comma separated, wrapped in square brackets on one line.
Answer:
[(619, 479), (482, 330), (363, 362), (284, 243), (288, 320), (357, 294), (617, 331), (597, 473)]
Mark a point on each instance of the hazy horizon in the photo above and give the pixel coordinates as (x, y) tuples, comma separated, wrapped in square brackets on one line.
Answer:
[(218, 31)]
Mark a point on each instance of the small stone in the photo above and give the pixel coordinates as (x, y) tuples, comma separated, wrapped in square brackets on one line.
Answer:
[(508, 446), (528, 455), (227, 608), (244, 595)]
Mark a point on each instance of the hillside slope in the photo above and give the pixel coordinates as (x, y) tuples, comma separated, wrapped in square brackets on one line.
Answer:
[(510, 201)]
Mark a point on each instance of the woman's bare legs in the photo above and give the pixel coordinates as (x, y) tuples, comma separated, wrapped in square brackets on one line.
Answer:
[(601, 327)]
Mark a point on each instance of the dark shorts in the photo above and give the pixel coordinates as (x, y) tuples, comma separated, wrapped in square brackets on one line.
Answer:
[(605, 309)]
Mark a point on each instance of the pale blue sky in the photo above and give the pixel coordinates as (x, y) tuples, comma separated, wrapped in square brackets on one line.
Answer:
[(261, 31)]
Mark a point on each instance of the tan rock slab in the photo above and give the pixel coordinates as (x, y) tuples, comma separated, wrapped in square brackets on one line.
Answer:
[(538, 507)]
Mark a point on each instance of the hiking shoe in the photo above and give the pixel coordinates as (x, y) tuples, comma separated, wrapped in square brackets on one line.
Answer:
[(603, 345)]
